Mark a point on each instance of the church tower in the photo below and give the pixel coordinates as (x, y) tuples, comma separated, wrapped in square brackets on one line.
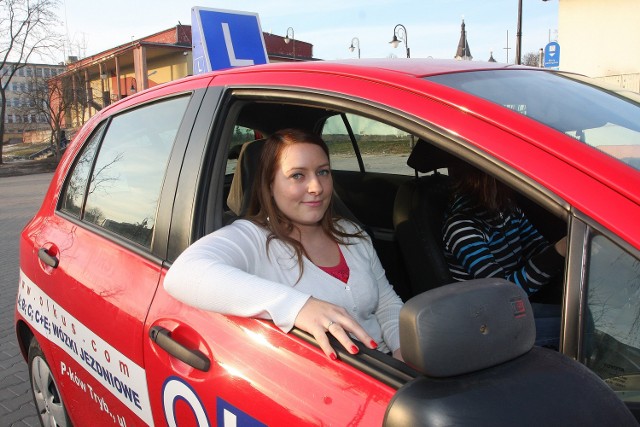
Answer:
[(463, 52)]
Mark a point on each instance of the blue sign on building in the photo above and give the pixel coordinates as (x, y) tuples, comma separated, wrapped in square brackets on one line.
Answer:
[(552, 55), (225, 39)]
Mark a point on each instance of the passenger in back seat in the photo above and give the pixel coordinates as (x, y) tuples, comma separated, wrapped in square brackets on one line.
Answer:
[(485, 234), (290, 260)]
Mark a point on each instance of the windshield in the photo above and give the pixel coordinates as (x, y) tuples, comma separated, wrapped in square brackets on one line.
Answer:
[(606, 119)]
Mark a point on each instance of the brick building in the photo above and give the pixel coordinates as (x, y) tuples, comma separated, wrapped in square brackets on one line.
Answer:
[(140, 64)]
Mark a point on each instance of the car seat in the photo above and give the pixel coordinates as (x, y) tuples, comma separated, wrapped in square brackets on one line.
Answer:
[(418, 215)]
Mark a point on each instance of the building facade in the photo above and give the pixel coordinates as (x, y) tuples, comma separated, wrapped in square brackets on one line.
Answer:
[(109, 76), (600, 39), (24, 114)]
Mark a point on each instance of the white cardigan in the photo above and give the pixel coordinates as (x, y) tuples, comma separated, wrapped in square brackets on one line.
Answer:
[(229, 272)]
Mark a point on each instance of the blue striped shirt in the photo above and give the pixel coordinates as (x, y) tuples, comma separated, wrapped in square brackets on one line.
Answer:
[(480, 244)]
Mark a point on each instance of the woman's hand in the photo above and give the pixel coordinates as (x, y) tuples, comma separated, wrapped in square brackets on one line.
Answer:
[(319, 317)]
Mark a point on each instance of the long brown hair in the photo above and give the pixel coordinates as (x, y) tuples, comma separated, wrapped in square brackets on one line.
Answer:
[(262, 208), (485, 190)]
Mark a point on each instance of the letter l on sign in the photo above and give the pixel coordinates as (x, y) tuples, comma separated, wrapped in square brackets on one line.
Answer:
[(235, 62)]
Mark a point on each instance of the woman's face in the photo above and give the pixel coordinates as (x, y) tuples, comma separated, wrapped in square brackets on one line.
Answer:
[(302, 185)]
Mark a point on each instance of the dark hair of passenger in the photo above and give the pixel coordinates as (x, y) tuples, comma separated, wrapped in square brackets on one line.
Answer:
[(262, 208), (483, 189)]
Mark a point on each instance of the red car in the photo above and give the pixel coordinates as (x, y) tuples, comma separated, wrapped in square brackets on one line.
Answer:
[(146, 177)]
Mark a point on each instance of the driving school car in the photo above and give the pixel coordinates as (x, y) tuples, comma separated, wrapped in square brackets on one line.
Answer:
[(146, 177)]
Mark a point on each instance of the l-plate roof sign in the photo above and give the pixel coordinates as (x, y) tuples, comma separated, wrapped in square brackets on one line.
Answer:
[(225, 39)]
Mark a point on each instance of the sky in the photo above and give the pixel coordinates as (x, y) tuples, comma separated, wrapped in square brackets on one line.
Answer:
[(432, 26)]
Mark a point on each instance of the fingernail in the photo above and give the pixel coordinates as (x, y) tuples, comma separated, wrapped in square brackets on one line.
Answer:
[(333, 356), (354, 349), (374, 344)]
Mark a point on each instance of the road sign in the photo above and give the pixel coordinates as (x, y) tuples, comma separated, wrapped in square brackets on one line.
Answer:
[(225, 39), (552, 55)]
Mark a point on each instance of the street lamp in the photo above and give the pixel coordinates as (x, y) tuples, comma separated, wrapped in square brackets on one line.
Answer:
[(355, 41), (400, 36), (287, 39), (519, 34)]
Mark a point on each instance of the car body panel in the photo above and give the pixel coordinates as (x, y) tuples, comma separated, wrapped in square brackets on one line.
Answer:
[(256, 371)]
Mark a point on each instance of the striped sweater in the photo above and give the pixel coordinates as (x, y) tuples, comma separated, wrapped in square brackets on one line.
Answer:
[(480, 244)]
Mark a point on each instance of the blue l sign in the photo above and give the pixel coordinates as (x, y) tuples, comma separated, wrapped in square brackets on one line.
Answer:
[(224, 39)]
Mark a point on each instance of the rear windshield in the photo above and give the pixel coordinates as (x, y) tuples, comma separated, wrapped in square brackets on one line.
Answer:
[(604, 118)]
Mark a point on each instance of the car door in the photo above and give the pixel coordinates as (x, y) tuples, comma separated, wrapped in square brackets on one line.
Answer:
[(97, 276), (602, 329), (212, 369)]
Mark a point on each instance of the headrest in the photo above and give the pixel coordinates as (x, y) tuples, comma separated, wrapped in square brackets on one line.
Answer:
[(466, 326), (427, 157), (244, 176)]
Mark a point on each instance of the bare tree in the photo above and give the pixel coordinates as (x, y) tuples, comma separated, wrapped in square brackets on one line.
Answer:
[(532, 59), (27, 30)]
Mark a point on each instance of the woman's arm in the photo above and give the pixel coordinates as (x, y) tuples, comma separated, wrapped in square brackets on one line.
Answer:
[(467, 243), (217, 273)]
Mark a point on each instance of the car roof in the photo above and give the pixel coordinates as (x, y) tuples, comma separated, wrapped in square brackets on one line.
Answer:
[(416, 67)]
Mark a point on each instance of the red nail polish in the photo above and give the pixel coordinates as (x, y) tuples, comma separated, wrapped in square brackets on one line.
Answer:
[(354, 349), (374, 344), (333, 356)]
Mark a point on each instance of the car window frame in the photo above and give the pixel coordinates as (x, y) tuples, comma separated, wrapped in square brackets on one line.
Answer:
[(156, 253), (582, 228)]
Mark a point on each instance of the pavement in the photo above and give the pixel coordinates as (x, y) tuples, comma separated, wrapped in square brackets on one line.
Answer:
[(22, 188)]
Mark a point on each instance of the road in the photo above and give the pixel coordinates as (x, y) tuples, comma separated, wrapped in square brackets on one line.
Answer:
[(20, 197)]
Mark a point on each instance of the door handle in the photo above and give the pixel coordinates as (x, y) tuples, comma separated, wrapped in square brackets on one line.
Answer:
[(194, 358), (47, 258)]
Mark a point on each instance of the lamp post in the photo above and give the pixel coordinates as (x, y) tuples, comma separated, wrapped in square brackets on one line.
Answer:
[(519, 34), (287, 39), (355, 42), (398, 36)]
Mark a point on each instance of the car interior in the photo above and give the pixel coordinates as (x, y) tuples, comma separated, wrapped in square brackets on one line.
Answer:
[(402, 212)]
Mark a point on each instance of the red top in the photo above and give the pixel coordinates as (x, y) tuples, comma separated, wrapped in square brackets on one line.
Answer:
[(340, 271)]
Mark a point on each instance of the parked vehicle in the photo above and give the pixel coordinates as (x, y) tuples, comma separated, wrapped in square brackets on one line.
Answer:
[(146, 177)]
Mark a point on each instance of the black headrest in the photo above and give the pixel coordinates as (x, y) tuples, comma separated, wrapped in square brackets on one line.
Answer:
[(427, 157), (466, 326)]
